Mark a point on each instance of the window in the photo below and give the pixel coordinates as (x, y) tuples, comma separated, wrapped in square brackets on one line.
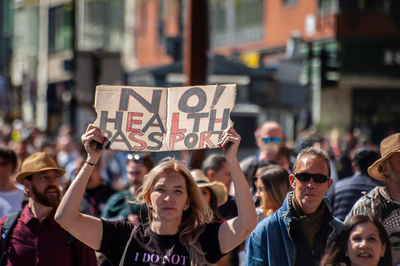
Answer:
[(289, 2), (365, 6), (327, 7), (60, 28), (236, 21), (101, 25)]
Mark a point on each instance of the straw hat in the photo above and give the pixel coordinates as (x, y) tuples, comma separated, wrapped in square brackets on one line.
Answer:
[(218, 188), (388, 146), (37, 162)]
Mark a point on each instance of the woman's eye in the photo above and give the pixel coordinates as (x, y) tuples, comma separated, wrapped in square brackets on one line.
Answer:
[(159, 189), (356, 239), (372, 239), (178, 191)]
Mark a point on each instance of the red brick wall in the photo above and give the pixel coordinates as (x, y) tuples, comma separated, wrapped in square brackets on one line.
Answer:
[(149, 51)]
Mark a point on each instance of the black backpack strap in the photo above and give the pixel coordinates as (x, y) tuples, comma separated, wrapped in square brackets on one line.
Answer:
[(7, 228)]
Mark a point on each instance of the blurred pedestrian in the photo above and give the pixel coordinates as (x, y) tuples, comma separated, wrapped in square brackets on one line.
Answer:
[(272, 186), (11, 195), (214, 193), (347, 191), (216, 168), (268, 132), (121, 205), (97, 193)]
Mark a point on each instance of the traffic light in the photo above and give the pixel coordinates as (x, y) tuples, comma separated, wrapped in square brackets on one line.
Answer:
[(329, 68)]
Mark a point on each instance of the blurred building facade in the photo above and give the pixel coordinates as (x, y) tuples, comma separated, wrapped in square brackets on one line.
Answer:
[(331, 63), (347, 52), (59, 50)]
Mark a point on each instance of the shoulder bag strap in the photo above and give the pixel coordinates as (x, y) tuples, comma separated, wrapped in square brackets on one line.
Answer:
[(121, 262), (7, 228)]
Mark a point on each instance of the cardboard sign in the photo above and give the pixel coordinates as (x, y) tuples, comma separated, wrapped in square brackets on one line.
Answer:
[(164, 119)]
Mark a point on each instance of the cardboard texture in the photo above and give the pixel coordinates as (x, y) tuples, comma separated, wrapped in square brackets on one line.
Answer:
[(164, 119)]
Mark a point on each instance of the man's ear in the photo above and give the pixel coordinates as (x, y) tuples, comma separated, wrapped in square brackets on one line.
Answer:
[(385, 169), (330, 182), (292, 181), (27, 185), (211, 175)]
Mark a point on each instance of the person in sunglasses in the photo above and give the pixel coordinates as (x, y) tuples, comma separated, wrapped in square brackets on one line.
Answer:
[(121, 206), (297, 233), (269, 132)]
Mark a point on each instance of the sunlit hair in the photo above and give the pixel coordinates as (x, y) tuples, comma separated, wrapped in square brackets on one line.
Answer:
[(193, 219), (313, 152), (275, 180), (337, 247)]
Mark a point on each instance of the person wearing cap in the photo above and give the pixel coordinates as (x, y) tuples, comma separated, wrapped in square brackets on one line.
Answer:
[(36, 239), (383, 202), (214, 193), (297, 233), (345, 192)]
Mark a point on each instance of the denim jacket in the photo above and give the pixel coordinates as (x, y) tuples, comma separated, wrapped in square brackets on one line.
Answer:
[(270, 242)]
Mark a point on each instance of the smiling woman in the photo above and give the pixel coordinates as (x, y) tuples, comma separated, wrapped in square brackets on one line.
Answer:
[(363, 241), (180, 229)]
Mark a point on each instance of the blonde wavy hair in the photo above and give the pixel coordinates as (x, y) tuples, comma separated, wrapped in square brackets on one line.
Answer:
[(194, 218)]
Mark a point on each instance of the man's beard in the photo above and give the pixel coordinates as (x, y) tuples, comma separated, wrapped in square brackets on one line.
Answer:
[(44, 199)]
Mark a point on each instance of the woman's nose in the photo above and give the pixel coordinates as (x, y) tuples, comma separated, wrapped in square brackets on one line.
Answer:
[(168, 197), (363, 243)]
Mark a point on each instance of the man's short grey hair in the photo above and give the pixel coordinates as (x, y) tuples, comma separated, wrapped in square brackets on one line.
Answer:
[(314, 152)]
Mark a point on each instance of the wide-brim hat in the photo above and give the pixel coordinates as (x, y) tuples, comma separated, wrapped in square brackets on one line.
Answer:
[(36, 163), (218, 188), (389, 146)]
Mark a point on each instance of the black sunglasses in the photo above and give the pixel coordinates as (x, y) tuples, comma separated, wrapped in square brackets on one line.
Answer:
[(305, 177)]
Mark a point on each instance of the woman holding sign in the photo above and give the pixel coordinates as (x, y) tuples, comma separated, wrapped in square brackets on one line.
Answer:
[(180, 231)]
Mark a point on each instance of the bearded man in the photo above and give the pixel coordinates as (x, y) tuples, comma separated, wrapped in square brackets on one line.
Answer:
[(35, 238)]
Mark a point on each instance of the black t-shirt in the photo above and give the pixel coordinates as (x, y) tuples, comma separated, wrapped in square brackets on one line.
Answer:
[(149, 248)]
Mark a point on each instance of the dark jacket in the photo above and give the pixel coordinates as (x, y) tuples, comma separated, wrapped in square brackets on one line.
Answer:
[(347, 191)]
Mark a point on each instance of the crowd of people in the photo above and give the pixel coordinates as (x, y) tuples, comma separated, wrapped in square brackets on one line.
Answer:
[(318, 201)]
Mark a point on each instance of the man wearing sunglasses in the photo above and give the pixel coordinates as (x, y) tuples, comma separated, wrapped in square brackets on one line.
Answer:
[(297, 233), (269, 132)]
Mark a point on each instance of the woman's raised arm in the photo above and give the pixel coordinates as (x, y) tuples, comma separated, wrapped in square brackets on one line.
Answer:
[(234, 231), (87, 229)]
